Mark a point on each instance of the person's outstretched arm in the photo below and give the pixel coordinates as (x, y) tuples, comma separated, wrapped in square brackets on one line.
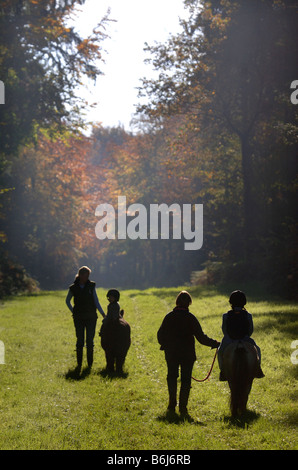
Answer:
[(97, 304), (202, 337)]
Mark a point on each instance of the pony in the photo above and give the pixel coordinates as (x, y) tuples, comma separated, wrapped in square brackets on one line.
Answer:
[(115, 341), (240, 363)]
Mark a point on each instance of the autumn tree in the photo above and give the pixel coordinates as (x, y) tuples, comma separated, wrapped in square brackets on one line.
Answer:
[(141, 168), (43, 60), (50, 214)]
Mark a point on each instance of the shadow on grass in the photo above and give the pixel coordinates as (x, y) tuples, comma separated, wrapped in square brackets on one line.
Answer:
[(105, 373), (171, 417), (76, 374), (242, 421)]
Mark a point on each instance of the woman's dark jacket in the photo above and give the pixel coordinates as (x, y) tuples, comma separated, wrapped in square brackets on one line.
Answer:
[(178, 332), (84, 305)]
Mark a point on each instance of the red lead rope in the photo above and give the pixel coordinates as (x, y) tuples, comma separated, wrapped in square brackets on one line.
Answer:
[(209, 373)]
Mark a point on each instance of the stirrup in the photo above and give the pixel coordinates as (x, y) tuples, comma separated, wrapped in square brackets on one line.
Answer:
[(259, 373)]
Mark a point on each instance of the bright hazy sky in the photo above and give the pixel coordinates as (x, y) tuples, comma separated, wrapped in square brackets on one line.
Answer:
[(138, 21)]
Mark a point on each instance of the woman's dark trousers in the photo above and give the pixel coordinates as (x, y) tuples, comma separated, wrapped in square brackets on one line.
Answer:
[(186, 366), (82, 326)]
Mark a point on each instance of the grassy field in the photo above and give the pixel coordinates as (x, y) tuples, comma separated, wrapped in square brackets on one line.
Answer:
[(43, 406)]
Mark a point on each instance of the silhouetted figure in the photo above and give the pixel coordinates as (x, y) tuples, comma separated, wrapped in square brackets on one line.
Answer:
[(237, 325), (115, 334), (176, 337), (84, 313)]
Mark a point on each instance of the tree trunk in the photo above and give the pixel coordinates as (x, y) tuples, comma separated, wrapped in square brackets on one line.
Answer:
[(248, 199)]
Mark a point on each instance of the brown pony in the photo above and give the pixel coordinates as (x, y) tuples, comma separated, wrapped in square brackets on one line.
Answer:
[(240, 362), (115, 341)]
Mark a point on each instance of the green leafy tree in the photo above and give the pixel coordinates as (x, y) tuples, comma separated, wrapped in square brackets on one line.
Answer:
[(42, 62), (230, 71)]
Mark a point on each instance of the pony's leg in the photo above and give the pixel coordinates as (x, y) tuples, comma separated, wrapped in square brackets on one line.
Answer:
[(110, 361), (245, 396), (120, 359), (233, 401)]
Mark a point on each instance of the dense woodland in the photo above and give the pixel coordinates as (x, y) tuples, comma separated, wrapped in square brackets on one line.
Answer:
[(218, 128)]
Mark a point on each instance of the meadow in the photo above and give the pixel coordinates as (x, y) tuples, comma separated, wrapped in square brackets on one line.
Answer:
[(44, 406)]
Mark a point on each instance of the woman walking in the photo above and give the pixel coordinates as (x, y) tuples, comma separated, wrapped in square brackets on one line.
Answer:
[(84, 313), (177, 338)]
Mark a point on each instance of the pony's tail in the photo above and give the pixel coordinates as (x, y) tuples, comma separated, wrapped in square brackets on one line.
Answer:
[(239, 380)]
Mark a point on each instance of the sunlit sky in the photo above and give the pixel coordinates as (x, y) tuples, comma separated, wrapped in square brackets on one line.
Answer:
[(138, 21)]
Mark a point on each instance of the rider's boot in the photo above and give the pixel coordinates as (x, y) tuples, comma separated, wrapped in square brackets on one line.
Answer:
[(259, 373)]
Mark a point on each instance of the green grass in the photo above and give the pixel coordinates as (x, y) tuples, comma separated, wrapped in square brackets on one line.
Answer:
[(43, 407)]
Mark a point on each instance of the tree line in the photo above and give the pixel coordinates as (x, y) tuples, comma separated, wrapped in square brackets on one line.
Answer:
[(218, 129)]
